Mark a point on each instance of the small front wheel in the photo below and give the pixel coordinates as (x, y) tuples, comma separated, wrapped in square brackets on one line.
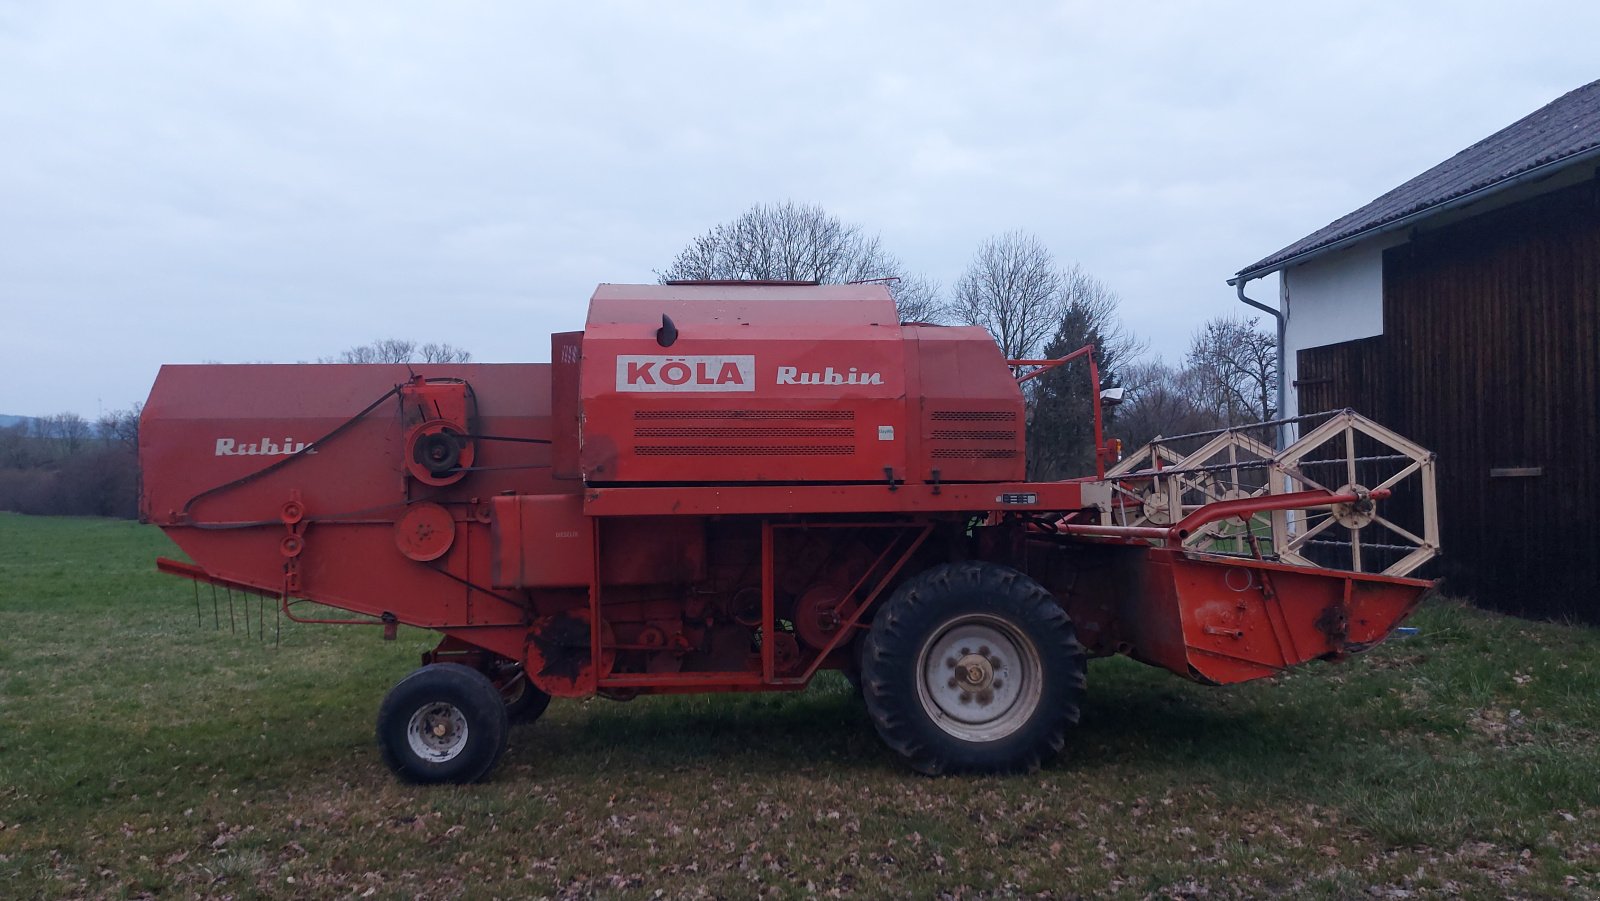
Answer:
[(443, 723)]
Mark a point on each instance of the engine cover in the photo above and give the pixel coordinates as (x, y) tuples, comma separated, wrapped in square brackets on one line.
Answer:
[(768, 383)]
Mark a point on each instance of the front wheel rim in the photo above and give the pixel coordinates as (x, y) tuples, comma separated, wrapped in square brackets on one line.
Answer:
[(437, 732), (979, 677)]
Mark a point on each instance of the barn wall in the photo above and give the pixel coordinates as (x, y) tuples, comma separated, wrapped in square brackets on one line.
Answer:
[(1489, 356)]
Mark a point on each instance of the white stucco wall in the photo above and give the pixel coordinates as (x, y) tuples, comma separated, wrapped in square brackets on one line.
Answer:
[(1330, 299)]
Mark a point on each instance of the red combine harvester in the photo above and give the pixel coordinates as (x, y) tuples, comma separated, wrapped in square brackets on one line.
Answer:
[(731, 487)]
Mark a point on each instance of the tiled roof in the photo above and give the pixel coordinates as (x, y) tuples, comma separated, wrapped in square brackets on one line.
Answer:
[(1565, 129)]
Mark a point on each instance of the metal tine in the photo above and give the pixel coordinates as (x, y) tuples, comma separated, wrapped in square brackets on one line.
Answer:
[(231, 627), (214, 613), (196, 604)]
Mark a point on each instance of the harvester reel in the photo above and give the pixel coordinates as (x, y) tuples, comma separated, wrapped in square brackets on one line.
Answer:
[(1346, 448), (1231, 465)]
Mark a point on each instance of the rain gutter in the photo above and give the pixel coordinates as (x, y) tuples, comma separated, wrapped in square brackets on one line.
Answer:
[(1282, 437)]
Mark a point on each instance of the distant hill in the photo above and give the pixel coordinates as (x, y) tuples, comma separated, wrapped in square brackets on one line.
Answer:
[(9, 420)]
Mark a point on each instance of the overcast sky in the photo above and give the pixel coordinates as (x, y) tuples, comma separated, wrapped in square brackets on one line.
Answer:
[(244, 181)]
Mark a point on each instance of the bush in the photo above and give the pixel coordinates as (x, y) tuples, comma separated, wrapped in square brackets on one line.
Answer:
[(100, 482)]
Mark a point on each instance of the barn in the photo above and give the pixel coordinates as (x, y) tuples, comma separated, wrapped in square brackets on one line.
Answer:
[(1462, 309)]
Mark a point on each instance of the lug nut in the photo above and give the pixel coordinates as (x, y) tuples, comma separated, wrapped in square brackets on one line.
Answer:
[(950, 662), (954, 684)]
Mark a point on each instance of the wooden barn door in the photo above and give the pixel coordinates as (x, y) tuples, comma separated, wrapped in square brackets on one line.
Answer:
[(1491, 337), (1339, 376)]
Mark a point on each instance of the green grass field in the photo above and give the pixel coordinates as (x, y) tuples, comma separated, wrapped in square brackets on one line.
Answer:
[(143, 754)]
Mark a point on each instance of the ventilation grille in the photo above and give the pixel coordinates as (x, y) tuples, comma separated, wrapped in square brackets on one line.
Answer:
[(972, 435), (745, 414), (987, 443), (973, 416), (757, 450), (717, 432), (973, 453), (744, 433)]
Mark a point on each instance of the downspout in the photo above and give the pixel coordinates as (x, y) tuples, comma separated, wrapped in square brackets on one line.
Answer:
[(1283, 373)]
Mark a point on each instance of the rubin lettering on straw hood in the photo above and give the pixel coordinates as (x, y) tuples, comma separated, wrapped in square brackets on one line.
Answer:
[(266, 447), (791, 375)]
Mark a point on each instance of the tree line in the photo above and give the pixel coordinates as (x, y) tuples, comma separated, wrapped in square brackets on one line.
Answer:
[(67, 465), (1033, 305)]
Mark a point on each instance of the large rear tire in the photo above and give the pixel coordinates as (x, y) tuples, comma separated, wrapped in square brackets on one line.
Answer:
[(973, 667), (443, 723)]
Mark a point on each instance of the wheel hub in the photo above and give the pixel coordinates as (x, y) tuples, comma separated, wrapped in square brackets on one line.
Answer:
[(975, 672), (437, 732), (980, 677)]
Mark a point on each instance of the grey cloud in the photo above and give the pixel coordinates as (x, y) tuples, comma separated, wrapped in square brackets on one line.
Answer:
[(248, 181)]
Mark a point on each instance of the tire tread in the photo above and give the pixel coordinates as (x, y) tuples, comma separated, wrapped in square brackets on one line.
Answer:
[(480, 701), (894, 642)]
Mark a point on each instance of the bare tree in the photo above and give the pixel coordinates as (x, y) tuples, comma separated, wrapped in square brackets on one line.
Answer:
[(1160, 400), (68, 432), (384, 350), (917, 299), (16, 447), (1237, 367), (120, 428), (1013, 289), (52, 465), (1100, 307), (789, 241), (395, 350), (434, 352)]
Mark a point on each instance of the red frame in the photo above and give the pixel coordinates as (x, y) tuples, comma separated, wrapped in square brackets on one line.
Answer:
[(1101, 451)]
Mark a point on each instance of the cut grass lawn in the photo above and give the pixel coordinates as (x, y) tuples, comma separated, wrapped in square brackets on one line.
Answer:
[(141, 754)]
